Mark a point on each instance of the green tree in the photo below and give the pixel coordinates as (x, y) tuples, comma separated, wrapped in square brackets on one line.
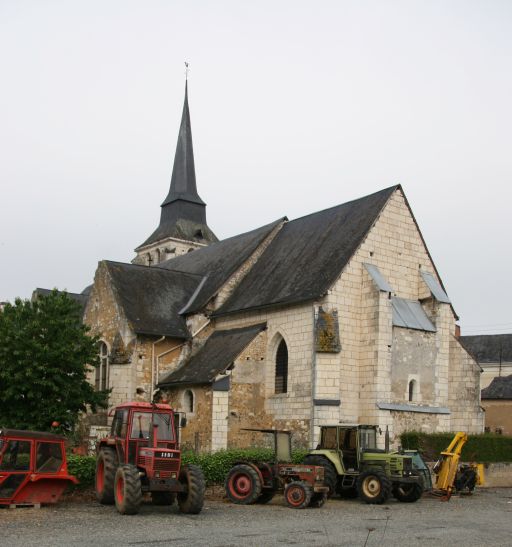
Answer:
[(45, 351)]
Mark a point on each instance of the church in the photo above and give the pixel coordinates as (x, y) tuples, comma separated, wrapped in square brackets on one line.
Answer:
[(339, 316)]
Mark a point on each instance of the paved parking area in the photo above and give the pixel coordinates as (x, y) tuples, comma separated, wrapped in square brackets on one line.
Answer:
[(482, 519)]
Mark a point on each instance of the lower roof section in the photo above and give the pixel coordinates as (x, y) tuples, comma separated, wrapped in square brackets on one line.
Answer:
[(214, 357)]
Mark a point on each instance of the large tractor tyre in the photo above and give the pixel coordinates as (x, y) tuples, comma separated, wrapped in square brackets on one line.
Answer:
[(318, 500), (163, 498), (330, 473), (127, 490), (106, 467), (191, 501), (408, 493), (265, 496), (243, 485), (298, 494), (373, 486)]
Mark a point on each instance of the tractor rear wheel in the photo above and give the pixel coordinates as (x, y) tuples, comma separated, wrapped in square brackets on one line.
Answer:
[(373, 486), (163, 498), (106, 467), (243, 485), (298, 494), (408, 493), (127, 490), (330, 473), (191, 501), (318, 500)]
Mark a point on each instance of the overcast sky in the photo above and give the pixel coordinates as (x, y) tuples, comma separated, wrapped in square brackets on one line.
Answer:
[(295, 106)]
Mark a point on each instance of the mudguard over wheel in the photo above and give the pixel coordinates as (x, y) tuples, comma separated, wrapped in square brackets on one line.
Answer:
[(191, 501), (127, 490), (408, 493), (318, 500), (373, 486), (106, 467), (163, 498), (330, 474), (298, 494), (243, 485)]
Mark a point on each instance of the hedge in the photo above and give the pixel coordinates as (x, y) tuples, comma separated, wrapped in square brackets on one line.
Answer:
[(485, 448), (215, 466)]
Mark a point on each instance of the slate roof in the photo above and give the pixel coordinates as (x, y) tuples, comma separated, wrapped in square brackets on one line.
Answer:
[(489, 348), (499, 388), (181, 228), (218, 262), (214, 357), (78, 298), (152, 297), (307, 255)]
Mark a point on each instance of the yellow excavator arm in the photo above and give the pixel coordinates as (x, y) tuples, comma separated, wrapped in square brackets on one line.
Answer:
[(448, 464)]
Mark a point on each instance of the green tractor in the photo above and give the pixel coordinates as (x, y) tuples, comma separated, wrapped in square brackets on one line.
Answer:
[(354, 466)]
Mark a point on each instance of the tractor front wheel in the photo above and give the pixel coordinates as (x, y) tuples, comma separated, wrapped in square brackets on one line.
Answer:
[(298, 494), (330, 473), (243, 485), (191, 501), (408, 493), (373, 486), (127, 490), (163, 498), (106, 466)]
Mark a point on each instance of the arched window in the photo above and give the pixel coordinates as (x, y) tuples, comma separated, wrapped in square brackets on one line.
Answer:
[(188, 401), (101, 374), (149, 259), (412, 390), (281, 385), (158, 257)]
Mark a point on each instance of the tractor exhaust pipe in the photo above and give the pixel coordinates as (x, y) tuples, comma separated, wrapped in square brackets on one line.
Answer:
[(386, 440)]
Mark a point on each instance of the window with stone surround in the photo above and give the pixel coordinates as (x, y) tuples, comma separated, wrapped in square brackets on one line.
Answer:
[(413, 388), (281, 382), (188, 401), (101, 374)]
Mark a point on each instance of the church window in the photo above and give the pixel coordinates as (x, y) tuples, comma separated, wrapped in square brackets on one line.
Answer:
[(158, 258), (281, 383), (412, 390), (188, 401), (149, 259), (101, 374)]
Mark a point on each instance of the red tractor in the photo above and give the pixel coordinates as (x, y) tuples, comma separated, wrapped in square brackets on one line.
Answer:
[(33, 468), (303, 484), (141, 455)]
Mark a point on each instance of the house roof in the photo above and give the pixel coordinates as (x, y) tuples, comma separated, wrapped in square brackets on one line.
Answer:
[(307, 255), (499, 388), (489, 348), (152, 297), (214, 357), (218, 262), (78, 298)]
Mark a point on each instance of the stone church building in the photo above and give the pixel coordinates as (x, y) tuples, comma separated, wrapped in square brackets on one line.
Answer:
[(338, 316)]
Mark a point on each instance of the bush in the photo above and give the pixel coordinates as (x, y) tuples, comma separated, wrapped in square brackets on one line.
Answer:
[(485, 448), (83, 468)]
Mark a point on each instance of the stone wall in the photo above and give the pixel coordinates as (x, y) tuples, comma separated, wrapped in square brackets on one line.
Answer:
[(164, 250), (498, 415)]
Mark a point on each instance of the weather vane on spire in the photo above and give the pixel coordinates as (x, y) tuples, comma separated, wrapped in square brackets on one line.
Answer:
[(187, 70)]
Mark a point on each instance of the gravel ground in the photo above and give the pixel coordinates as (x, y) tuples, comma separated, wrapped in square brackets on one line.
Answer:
[(482, 519)]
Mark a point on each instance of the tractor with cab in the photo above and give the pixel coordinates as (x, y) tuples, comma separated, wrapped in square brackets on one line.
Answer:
[(354, 466), (302, 484), (142, 454)]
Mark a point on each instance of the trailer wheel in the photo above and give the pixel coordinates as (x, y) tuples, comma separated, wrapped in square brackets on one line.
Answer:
[(373, 486), (191, 501), (127, 490), (106, 467), (408, 493), (163, 498), (318, 500), (330, 473), (243, 485), (298, 494)]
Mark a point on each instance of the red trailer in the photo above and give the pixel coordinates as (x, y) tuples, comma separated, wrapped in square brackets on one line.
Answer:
[(33, 467)]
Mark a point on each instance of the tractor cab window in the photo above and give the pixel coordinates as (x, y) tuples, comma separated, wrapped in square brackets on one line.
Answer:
[(48, 457), (329, 440), (120, 424), (368, 439), (16, 456), (141, 426)]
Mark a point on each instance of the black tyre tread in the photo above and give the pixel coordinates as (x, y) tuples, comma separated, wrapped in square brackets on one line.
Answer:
[(385, 490), (265, 497), (330, 473), (132, 499), (163, 498), (110, 464), (407, 493), (191, 501), (256, 491), (318, 500), (307, 489)]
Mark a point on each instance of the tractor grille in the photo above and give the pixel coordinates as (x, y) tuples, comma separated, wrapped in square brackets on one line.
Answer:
[(166, 465)]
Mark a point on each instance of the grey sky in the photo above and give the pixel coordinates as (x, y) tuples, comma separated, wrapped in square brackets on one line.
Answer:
[(295, 106)]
